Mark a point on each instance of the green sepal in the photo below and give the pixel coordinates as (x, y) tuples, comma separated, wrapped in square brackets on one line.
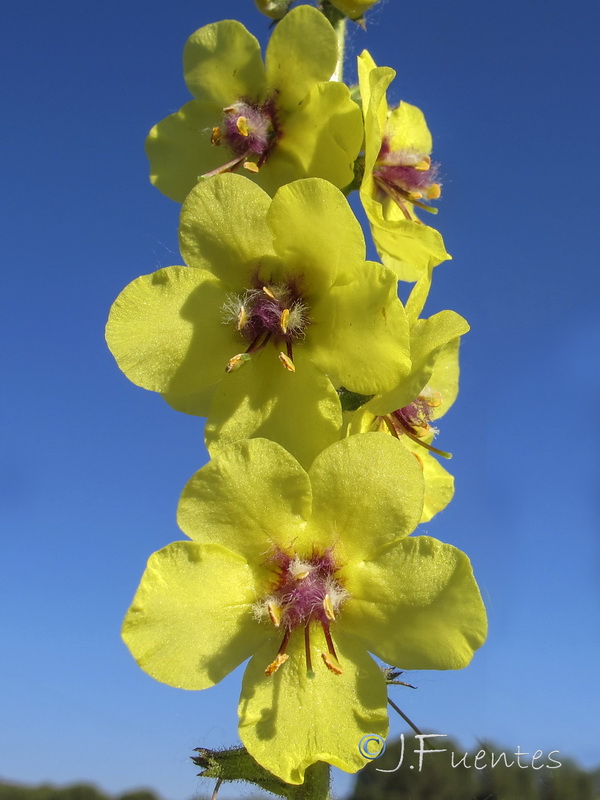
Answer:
[(236, 764), (352, 400)]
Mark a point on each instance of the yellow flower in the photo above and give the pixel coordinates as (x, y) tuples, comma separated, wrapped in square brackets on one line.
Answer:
[(398, 174), (278, 121), (305, 574), (408, 411), (276, 307)]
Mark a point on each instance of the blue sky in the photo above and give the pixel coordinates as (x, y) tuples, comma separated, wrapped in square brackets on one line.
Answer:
[(91, 467)]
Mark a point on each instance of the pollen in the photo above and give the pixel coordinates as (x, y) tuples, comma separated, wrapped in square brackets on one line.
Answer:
[(284, 319), (274, 613), (328, 607), (237, 361), (287, 362), (280, 659), (242, 125), (332, 663)]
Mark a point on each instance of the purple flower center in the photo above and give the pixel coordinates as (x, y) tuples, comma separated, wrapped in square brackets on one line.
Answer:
[(249, 129), (305, 592), (303, 586), (270, 312), (406, 176)]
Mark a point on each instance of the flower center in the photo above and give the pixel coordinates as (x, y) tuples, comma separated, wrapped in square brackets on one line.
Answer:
[(249, 130), (306, 592), (414, 420), (271, 312), (407, 177)]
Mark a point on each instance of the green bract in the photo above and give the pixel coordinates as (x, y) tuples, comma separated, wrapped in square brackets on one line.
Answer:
[(306, 573), (277, 121), (397, 172), (425, 395), (277, 294)]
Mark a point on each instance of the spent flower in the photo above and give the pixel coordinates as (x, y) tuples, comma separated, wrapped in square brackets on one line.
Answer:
[(306, 576), (276, 122)]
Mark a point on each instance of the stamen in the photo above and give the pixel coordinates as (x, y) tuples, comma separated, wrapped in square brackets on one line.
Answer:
[(416, 439), (328, 607), (235, 362), (434, 192), (276, 663), (242, 125), (281, 656), (216, 136), (250, 166), (284, 319), (331, 660), (268, 292), (242, 318), (300, 576), (228, 167), (274, 613), (424, 164), (332, 663), (287, 362), (390, 426), (309, 669)]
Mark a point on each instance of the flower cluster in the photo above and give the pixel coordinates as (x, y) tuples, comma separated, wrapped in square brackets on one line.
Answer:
[(321, 392)]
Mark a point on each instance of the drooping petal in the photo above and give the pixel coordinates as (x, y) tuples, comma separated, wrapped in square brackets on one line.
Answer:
[(360, 336), (367, 492), (191, 623), (322, 138), (249, 497), (166, 331), (428, 337), (439, 483), (373, 82), (223, 228), (444, 378), (300, 411), (222, 63), (407, 247), (180, 150), (416, 605), (316, 234), (289, 720), (302, 50)]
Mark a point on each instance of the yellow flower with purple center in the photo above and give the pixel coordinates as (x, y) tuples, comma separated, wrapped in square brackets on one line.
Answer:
[(306, 576), (409, 410), (277, 122), (276, 308), (398, 175)]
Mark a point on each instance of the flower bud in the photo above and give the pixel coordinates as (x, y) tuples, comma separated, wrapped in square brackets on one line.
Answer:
[(276, 9)]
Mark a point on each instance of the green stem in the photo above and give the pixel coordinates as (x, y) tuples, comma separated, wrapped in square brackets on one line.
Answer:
[(317, 780), (338, 22)]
